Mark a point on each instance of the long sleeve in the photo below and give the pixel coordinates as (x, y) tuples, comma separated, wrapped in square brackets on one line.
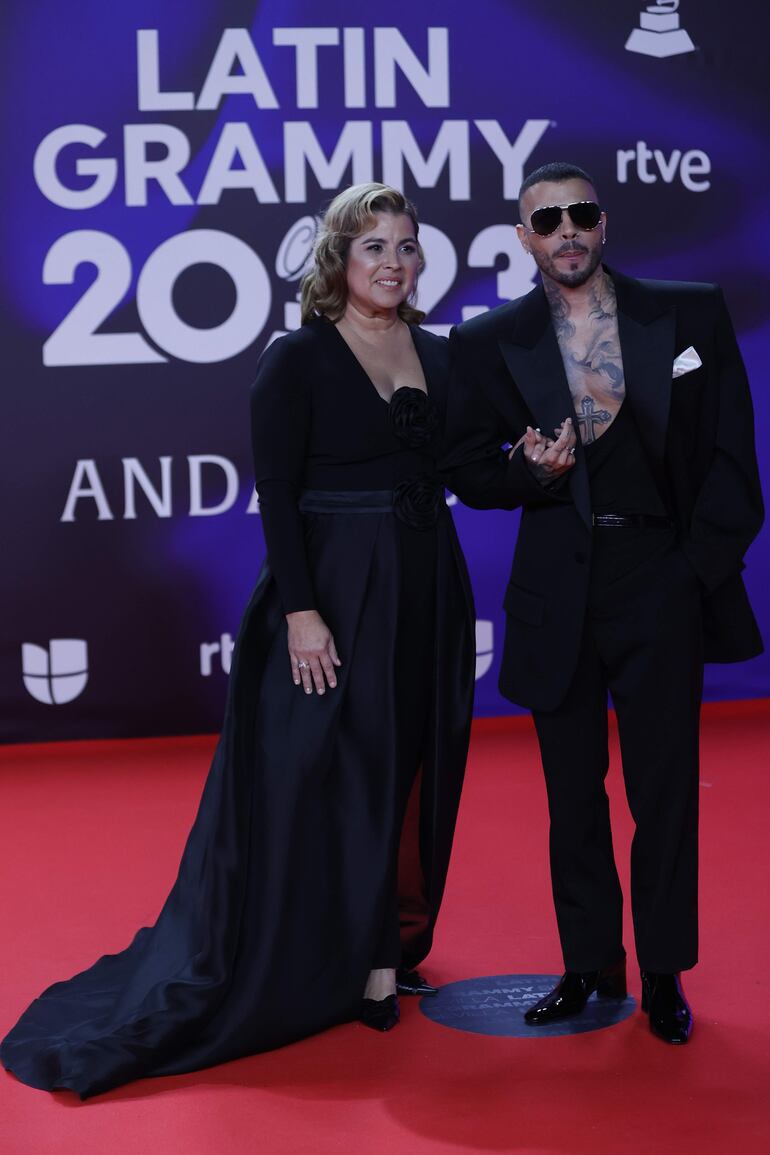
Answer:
[(474, 465), (728, 510), (280, 429)]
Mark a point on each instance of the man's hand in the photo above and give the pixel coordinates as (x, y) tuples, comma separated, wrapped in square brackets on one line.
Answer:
[(312, 651), (549, 459)]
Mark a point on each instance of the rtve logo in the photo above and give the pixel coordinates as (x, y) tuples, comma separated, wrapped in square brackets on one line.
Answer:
[(57, 674), (659, 33), (652, 164), (209, 650), (223, 650)]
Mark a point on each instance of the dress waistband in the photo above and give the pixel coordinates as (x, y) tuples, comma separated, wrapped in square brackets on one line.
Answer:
[(346, 501)]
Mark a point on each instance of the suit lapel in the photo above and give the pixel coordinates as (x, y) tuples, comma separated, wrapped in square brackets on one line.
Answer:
[(533, 358), (647, 330)]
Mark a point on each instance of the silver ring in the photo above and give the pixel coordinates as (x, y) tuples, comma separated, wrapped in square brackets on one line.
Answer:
[(302, 665)]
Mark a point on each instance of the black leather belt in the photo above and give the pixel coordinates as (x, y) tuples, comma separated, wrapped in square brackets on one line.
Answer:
[(628, 520)]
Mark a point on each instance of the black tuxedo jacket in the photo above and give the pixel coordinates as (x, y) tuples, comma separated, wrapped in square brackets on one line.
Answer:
[(697, 430)]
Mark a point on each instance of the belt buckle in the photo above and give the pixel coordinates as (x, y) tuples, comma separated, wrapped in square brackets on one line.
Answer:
[(610, 520)]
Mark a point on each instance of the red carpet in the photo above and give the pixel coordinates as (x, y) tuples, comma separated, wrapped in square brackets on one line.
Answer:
[(91, 835)]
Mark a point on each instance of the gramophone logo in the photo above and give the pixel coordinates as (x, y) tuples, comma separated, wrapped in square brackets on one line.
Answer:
[(57, 674), (659, 33)]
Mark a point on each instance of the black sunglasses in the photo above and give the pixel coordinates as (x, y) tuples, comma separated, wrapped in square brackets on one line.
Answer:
[(584, 215)]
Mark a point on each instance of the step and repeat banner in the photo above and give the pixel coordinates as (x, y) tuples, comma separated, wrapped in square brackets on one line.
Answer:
[(164, 164)]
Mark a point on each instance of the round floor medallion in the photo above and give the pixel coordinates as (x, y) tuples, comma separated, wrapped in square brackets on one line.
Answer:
[(495, 1005)]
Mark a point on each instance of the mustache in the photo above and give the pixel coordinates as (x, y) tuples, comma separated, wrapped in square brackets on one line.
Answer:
[(571, 247)]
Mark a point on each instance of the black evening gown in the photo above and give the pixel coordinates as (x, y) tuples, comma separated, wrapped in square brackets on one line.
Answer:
[(285, 896)]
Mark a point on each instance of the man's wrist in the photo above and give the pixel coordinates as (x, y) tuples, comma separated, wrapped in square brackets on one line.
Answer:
[(542, 477)]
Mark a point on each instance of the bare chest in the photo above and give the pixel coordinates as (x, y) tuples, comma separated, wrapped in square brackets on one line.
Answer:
[(593, 364), (388, 364)]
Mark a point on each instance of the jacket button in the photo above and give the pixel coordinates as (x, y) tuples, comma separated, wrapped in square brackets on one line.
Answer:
[(580, 557)]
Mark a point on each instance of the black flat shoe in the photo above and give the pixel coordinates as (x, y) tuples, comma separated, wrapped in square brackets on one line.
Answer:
[(412, 983), (380, 1014), (573, 991), (663, 1000)]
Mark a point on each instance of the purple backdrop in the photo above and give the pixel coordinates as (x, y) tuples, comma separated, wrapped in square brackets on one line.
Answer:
[(163, 167)]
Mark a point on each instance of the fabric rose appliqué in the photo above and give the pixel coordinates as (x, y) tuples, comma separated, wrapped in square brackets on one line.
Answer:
[(418, 500), (414, 416)]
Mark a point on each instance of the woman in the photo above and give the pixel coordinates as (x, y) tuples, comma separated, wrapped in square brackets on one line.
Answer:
[(286, 908)]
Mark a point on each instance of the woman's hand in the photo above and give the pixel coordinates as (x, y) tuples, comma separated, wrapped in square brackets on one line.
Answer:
[(312, 651)]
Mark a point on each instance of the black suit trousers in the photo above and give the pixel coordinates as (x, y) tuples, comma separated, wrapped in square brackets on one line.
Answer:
[(642, 642)]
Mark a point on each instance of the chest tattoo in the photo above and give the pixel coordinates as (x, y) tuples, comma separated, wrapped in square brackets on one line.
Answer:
[(589, 417), (590, 349)]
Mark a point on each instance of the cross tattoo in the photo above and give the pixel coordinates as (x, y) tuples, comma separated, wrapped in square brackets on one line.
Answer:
[(590, 418)]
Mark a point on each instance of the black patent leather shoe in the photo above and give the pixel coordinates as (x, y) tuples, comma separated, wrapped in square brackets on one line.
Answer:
[(380, 1014), (573, 991), (412, 983), (663, 1000)]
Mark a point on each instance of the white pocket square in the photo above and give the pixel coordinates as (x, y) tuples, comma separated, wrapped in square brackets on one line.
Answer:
[(686, 362)]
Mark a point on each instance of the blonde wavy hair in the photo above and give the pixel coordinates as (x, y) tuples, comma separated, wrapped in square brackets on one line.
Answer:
[(352, 212)]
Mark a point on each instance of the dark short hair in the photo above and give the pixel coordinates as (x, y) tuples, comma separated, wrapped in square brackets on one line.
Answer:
[(556, 171)]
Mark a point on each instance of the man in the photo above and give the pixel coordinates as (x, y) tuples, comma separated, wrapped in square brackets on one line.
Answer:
[(635, 469)]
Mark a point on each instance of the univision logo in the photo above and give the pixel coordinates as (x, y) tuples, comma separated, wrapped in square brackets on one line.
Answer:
[(56, 674), (485, 635)]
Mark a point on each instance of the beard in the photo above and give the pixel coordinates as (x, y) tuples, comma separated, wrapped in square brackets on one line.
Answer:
[(571, 278)]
